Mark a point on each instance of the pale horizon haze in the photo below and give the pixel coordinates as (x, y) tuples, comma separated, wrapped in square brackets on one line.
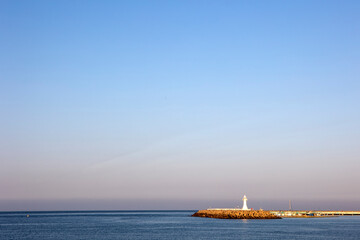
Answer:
[(118, 105)]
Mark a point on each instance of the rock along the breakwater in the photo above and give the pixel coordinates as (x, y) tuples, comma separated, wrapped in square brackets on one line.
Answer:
[(236, 214)]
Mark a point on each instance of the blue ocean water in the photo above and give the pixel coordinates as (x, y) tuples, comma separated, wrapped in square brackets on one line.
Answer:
[(168, 225)]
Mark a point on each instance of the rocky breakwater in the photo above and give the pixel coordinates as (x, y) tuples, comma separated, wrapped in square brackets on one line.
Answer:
[(236, 214)]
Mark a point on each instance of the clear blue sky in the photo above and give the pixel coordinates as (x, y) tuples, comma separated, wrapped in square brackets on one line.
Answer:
[(179, 104)]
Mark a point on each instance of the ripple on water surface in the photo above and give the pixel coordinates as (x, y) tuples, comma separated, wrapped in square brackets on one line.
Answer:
[(168, 225)]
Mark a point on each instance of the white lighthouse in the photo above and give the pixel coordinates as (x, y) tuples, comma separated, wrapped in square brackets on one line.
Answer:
[(245, 205)]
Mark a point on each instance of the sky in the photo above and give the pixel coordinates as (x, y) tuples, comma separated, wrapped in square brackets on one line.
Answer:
[(179, 104)]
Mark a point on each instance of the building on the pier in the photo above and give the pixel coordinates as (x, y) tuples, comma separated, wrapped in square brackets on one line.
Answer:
[(244, 203)]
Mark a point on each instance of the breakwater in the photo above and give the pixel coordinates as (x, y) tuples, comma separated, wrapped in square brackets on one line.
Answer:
[(236, 214)]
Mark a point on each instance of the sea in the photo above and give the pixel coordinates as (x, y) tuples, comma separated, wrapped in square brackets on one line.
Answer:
[(168, 225)]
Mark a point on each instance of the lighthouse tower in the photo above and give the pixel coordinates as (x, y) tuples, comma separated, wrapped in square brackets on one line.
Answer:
[(245, 205)]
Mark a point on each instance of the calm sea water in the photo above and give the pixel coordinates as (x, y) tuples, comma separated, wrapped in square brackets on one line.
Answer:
[(168, 225)]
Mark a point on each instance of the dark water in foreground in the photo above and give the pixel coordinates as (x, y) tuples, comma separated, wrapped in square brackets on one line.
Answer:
[(168, 225)]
